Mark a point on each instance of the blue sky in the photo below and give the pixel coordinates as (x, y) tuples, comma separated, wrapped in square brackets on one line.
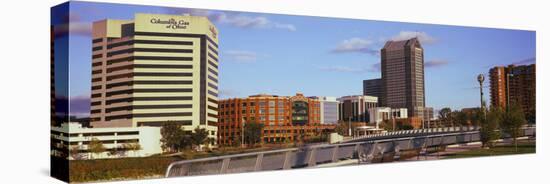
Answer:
[(317, 56)]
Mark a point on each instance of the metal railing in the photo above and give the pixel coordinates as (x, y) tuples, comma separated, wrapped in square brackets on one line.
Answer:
[(366, 149)]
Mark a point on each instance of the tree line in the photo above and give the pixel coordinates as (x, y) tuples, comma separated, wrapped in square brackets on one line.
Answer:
[(493, 123)]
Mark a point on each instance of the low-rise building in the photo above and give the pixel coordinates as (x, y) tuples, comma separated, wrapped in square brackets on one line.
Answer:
[(284, 118), (380, 114), (74, 140), (355, 108), (329, 109)]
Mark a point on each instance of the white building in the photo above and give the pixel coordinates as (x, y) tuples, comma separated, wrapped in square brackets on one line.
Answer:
[(379, 114), (329, 109), (121, 139), (355, 108)]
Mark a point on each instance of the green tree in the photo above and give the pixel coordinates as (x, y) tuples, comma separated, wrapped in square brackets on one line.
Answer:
[(459, 118), (173, 137), (445, 115), (512, 122), (489, 125), (387, 125), (253, 133), (199, 137), (96, 147), (531, 116), (477, 117)]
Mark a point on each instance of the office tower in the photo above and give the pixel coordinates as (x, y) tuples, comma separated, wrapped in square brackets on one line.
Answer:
[(403, 76), (356, 107), (372, 87), (153, 70), (514, 84)]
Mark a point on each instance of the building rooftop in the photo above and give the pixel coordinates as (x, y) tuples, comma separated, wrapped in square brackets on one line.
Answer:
[(397, 45)]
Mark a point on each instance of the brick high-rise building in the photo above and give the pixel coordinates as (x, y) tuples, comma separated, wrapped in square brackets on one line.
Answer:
[(403, 76), (514, 84), (497, 79)]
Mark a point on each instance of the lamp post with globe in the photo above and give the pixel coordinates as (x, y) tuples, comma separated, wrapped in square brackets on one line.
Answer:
[(480, 79)]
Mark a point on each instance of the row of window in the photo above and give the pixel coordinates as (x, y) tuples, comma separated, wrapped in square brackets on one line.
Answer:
[(147, 115)]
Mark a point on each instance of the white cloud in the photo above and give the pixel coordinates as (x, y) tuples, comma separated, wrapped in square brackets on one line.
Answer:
[(424, 37), (343, 69), (227, 93), (241, 56), (252, 22), (356, 45), (435, 63), (236, 19)]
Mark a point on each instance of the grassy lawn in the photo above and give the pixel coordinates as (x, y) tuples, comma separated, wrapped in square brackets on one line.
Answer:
[(523, 148), (135, 168), (123, 168)]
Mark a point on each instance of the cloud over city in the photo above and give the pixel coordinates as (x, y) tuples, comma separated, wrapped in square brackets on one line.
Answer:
[(435, 63), (424, 37), (360, 45), (235, 19), (240, 56)]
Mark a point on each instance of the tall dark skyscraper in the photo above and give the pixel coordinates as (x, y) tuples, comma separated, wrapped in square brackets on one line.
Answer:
[(372, 87), (403, 76)]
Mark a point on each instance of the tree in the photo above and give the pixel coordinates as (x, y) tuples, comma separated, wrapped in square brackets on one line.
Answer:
[(489, 125), (342, 128), (406, 127), (477, 117), (531, 116), (459, 118), (115, 151), (199, 137), (96, 147), (445, 115), (512, 122), (387, 125), (253, 132), (211, 141), (173, 137), (133, 147), (74, 152)]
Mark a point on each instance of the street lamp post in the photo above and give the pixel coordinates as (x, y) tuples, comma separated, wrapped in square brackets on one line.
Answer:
[(242, 133), (349, 125), (480, 79)]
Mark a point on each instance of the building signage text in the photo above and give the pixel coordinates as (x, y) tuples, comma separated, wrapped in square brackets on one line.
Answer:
[(171, 23)]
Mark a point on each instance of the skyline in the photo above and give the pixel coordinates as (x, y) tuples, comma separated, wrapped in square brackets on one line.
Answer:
[(334, 55)]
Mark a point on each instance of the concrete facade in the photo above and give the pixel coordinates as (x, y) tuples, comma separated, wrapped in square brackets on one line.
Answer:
[(73, 136), (380, 114), (153, 70), (329, 109), (355, 108), (403, 76)]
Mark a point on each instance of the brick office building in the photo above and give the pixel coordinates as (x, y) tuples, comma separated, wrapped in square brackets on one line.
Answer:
[(284, 117)]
